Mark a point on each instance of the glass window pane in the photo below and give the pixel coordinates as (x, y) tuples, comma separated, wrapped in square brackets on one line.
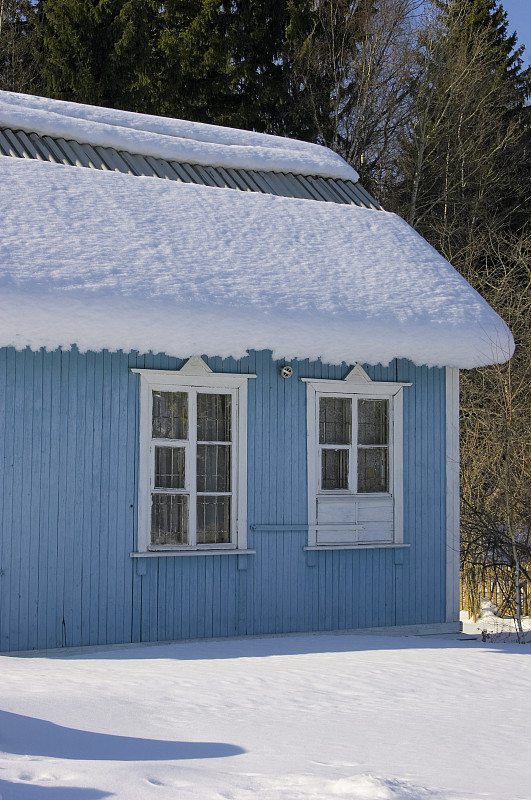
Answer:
[(170, 415), (213, 417), (213, 520), (213, 467), (169, 467), (334, 469), (169, 519), (373, 469), (373, 421), (335, 420)]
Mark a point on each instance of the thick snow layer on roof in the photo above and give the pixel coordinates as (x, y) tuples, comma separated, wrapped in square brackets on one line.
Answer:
[(106, 260), (171, 139)]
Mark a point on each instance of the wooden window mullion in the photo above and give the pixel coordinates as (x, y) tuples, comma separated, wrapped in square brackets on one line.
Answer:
[(192, 466), (353, 471), (234, 465)]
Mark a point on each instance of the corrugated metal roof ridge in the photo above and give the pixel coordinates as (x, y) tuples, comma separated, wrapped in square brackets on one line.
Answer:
[(284, 184)]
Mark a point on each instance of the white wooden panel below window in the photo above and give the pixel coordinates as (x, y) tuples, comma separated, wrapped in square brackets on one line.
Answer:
[(376, 532), (336, 509), (375, 510), (348, 535), (348, 519)]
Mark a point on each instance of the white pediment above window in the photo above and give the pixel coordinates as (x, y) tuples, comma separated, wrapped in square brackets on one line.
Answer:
[(195, 366), (357, 375)]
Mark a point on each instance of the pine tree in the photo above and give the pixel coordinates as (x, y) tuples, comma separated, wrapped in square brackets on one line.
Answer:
[(19, 71), (99, 51), (486, 16), (325, 41), (461, 161), (224, 62)]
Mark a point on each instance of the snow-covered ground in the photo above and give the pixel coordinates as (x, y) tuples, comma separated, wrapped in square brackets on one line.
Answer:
[(493, 628), (287, 718)]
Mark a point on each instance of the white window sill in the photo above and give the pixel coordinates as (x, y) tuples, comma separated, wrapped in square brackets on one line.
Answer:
[(181, 553), (358, 546)]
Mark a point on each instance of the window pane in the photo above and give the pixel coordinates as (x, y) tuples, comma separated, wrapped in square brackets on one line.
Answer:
[(169, 519), (373, 421), (213, 520), (334, 469), (213, 417), (170, 415), (169, 467), (335, 420), (213, 468), (373, 469)]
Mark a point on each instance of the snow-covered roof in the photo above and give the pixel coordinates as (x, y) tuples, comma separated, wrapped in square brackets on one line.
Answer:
[(106, 260), (19, 144), (160, 137)]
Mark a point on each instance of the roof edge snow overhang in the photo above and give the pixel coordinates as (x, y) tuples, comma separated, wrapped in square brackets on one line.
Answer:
[(109, 325)]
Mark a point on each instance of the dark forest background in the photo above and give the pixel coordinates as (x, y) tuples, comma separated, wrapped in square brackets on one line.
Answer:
[(427, 99)]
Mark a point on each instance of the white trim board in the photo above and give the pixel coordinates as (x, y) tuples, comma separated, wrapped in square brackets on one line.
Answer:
[(179, 553), (361, 546), (452, 494)]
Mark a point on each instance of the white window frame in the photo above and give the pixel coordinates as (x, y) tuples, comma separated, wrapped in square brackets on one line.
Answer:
[(331, 534), (194, 377)]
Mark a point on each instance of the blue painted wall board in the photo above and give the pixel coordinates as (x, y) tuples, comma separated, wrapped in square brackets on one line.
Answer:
[(40, 495), (18, 574), (70, 456), (27, 627), (69, 446), (44, 555), (80, 379)]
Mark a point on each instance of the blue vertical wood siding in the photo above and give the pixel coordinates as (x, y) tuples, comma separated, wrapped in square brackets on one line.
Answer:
[(68, 497)]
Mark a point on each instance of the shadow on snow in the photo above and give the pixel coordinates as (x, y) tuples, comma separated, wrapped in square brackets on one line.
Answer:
[(275, 645), (36, 737), (32, 791)]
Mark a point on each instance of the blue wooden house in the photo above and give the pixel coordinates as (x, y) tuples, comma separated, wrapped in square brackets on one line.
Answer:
[(229, 388)]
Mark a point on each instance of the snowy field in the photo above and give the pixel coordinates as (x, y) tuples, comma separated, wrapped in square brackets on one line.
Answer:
[(288, 718)]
